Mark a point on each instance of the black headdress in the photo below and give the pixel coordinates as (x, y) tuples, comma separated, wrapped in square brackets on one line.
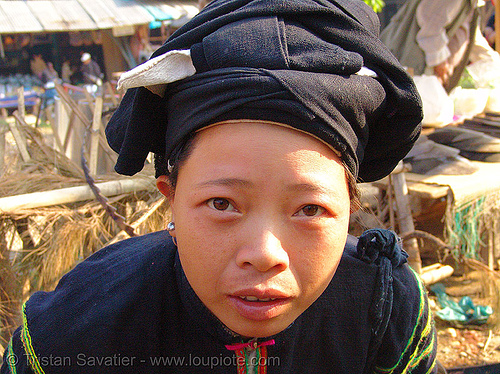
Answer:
[(316, 65)]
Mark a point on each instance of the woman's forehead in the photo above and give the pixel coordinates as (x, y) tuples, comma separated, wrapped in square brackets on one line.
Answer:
[(248, 148), (258, 129)]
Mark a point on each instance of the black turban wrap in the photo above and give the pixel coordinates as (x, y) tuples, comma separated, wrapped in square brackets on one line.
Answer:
[(295, 62)]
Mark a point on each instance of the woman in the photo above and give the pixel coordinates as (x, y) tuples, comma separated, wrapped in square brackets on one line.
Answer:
[(262, 115)]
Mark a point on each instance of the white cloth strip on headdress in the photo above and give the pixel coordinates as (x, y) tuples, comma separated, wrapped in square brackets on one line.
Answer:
[(367, 72), (154, 74)]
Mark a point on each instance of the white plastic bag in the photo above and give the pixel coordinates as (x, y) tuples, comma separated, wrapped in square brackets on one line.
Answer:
[(437, 105), (486, 73), (469, 101), (493, 104)]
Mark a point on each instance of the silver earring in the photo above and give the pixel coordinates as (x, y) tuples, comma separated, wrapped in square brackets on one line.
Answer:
[(171, 226)]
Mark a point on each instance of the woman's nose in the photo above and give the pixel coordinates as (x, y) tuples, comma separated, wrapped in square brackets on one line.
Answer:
[(264, 251)]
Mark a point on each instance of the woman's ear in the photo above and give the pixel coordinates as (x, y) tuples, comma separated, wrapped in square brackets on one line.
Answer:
[(164, 186)]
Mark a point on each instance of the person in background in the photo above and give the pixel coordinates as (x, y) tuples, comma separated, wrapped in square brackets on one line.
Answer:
[(91, 71), (49, 74), (438, 37), (66, 71), (38, 65), (49, 78)]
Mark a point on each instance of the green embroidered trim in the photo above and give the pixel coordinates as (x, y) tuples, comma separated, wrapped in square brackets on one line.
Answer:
[(412, 337), (415, 359), (431, 369), (426, 352), (30, 352), (11, 358)]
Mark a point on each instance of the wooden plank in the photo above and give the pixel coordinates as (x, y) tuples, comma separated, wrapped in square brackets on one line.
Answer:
[(426, 190), (35, 139), (21, 109), (94, 136), (111, 93), (90, 100), (2, 149), (57, 125), (405, 220), (76, 110), (69, 130), (20, 141)]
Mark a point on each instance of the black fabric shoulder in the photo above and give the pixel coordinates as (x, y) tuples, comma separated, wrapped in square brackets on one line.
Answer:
[(108, 300), (409, 338)]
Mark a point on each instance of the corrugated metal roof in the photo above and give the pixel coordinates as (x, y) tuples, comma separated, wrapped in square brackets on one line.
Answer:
[(20, 16), (61, 15), (115, 13), (171, 10), (16, 17)]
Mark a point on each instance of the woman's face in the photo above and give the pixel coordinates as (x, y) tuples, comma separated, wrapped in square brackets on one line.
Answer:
[(261, 215)]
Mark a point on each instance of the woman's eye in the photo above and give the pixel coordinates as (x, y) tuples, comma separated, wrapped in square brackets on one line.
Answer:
[(219, 203), (310, 211)]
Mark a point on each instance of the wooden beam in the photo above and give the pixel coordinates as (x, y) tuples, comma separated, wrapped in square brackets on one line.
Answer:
[(76, 110), (20, 141), (111, 93), (94, 136), (21, 108), (405, 219)]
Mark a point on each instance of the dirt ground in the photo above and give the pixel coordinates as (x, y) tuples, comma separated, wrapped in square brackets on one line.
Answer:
[(467, 347), (464, 346)]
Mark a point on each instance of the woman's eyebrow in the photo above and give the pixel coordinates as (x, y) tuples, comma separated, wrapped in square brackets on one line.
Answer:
[(229, 182), (308, 187)]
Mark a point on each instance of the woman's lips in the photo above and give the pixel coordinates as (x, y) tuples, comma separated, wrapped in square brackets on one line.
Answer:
[(261, 307)]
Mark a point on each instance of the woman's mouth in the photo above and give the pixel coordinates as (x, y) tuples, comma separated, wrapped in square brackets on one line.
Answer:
[(253, 298), (259, 308)]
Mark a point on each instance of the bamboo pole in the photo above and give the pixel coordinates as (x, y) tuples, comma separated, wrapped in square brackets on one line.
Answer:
[(435, 273), (12, 204)]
